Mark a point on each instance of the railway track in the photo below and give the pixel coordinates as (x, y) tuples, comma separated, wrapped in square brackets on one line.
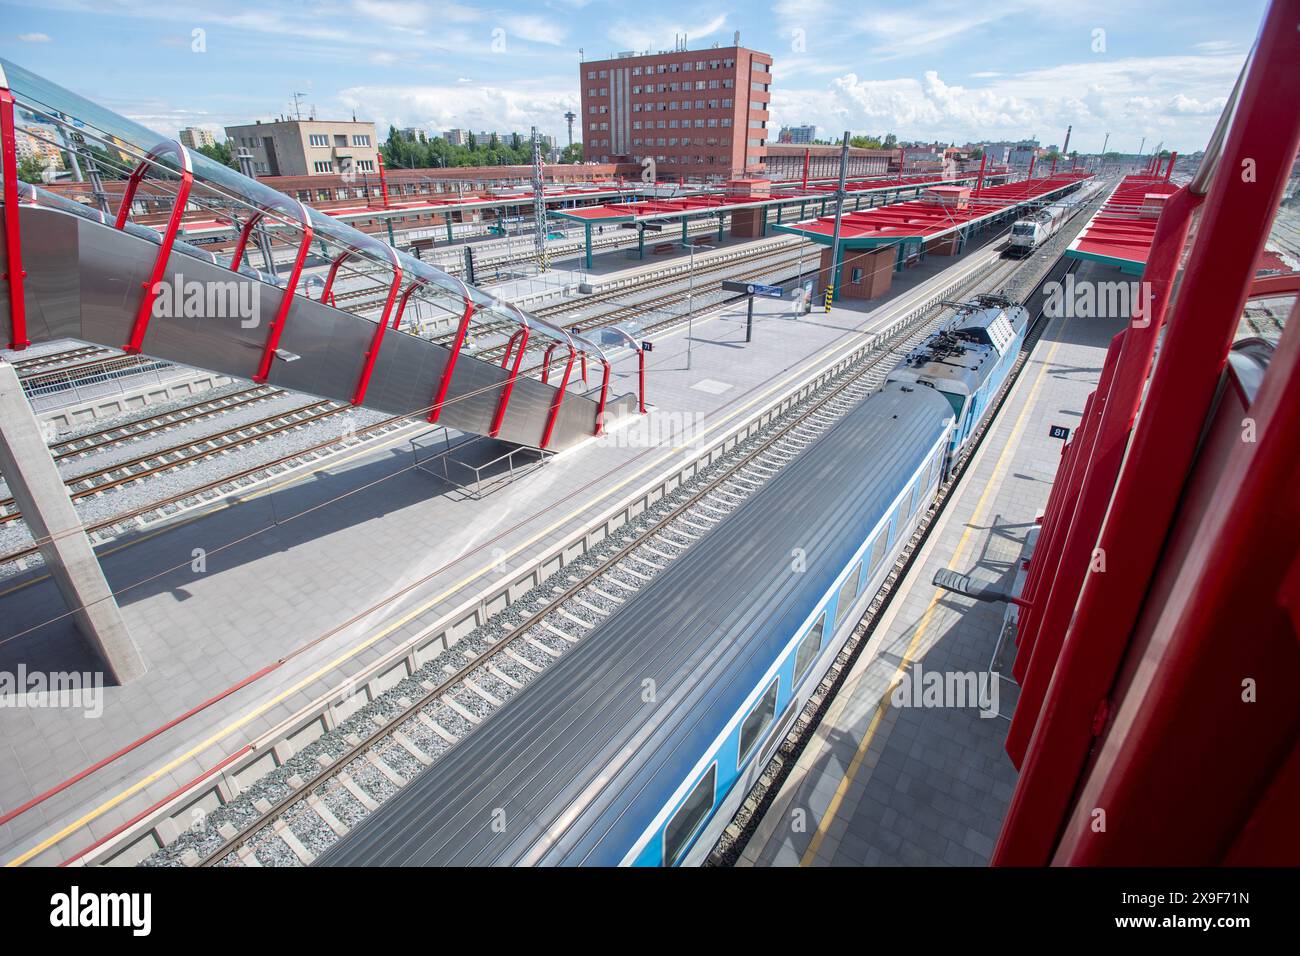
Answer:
[(332, 784), (50, 360), (187, 453), (96, 441), (761, 265), (65, 376)]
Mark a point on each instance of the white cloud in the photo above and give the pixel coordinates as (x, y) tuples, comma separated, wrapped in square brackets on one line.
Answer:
[(1174, 98), (34, 37), (644, 34), (414, 14), (535, 28), (484, 107)]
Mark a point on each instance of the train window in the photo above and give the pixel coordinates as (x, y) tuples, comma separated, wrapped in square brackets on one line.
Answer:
[(848, 591), (808, 648), (877, 553), (782, 728), (757, 721), (693, 812)]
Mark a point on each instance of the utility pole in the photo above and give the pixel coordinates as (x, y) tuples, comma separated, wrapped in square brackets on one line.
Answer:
[(539, 203), (832, 287)]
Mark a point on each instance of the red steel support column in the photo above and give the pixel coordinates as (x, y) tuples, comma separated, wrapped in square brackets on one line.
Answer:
[(1169, 171), (383, 180), (445, 382), (1215, 283), (557, 401), (499, 417), (242, 242), (546, 361), (401, 304), (807, 158), (145, 312), (13, 238), (604, 392), (1033, 158), (286, 302), (372, 353), (333, 274), (979, 182)]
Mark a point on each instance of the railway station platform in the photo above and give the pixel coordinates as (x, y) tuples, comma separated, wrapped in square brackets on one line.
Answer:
[(268, 603), (885, 779)]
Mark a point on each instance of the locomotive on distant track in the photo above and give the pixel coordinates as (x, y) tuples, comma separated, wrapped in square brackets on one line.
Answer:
[(582, 769)]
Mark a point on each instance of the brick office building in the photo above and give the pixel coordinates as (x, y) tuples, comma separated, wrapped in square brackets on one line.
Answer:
[(698, 113)]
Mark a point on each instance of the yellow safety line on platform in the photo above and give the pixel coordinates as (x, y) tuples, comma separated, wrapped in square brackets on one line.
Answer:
[(261, 709), (842, 790)]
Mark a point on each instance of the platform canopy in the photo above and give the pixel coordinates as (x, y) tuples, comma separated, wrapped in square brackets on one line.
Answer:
[(686, 207), (924, 219), (1121, 232)]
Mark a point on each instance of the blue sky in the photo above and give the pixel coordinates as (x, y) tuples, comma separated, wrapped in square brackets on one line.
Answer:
[(924, 69)]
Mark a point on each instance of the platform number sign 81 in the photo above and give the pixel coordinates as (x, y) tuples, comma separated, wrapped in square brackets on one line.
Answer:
[(1059, 431)]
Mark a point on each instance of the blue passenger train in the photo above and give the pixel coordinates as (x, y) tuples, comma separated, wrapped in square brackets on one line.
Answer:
[(637, 746)]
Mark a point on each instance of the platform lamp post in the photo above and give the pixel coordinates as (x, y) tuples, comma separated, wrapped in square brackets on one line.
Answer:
[(832, 286)]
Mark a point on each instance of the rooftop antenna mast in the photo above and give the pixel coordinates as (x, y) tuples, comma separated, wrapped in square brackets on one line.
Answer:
[(297, 105)]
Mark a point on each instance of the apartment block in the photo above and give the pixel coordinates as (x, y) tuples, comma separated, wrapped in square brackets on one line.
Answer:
[(308, 147)]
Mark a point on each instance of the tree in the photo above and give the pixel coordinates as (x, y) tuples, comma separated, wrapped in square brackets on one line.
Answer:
[(571, 154), (891, 141), (220, 153), (30, 170), (977, 153), (864, 142)]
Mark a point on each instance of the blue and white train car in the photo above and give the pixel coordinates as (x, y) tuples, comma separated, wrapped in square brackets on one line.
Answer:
[(968, 361), (638, 745)]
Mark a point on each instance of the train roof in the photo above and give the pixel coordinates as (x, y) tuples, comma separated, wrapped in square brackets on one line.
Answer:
[(958, 358), (577, 761)]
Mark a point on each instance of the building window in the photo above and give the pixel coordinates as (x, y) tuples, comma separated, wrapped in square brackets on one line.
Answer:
[(366, 165), (359, 140), (318, 139), (323, 167)]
